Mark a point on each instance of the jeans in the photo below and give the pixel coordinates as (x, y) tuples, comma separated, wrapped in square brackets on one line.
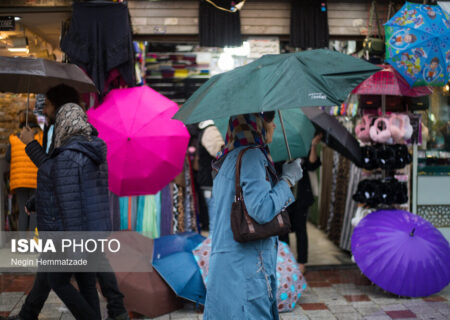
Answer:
[(83, 304), (207, 194)]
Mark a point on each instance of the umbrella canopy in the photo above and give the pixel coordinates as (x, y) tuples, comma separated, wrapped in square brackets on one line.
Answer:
[(147, 293), (336, 136), (273, 82), (144, 290), (136, 252), (299, 132), (174, 261), (33, 75), (418, 44), (146, 148), (402, 253), (389, 82), (445, 6), (290, 281)]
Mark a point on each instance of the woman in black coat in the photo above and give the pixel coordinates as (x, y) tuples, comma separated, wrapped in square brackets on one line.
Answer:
[(298, 211), (72, 193)]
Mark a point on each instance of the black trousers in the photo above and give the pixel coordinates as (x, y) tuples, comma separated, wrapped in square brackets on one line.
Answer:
[(26, 223), (298, 220), (36, 298), (110, 290), (41, 289), (83, 304)]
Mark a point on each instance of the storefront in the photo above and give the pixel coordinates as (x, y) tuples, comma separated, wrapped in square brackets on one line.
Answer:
[(433, 171)]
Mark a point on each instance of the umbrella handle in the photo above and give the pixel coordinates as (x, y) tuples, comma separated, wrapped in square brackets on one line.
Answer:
[(28, 104), (284, 135)]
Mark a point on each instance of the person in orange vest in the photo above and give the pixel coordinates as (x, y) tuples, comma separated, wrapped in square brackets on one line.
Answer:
[(23, 172)]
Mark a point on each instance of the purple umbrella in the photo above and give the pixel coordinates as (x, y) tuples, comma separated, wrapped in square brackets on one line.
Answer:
[(402, 253)]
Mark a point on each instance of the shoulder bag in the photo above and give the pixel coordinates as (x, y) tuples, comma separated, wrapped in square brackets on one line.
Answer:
[(246, 228)]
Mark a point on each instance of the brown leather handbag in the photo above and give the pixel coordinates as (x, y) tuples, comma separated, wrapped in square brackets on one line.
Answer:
[(243, 226)]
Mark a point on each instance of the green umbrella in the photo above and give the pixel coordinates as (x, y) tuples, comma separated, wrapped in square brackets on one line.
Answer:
[(299, 132), (275, 82), (283, 81)]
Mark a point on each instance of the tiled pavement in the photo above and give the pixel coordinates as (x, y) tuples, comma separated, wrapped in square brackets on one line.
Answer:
[(332, 294)]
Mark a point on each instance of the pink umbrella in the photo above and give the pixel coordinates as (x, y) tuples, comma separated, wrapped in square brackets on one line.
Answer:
[(389, 82), (146, 147)]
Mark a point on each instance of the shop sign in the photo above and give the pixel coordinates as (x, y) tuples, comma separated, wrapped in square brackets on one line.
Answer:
[(262, 46), (7, 23)]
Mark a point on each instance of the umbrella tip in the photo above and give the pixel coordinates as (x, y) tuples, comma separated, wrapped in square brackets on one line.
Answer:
[(128, 138), (411, 234)]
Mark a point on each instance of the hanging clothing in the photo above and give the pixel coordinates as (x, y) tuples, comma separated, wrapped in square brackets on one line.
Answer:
[(350, 207), (166, 211), (218, 28), (99, 39), (342, 176), (23, 173), (309, 24)]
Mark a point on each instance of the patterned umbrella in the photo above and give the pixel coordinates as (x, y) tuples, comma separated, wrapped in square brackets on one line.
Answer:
[(418, 44), (389, 82), (290, 281)]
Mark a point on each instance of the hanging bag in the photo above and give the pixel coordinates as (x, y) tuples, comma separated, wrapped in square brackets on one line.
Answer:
[(371, 45), (244, 227)]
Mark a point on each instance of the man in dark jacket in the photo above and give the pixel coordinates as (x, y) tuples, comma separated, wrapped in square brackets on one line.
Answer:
[(76, 152)]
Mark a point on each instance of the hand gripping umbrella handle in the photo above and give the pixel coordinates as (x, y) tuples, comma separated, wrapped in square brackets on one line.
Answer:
[(285, 136)]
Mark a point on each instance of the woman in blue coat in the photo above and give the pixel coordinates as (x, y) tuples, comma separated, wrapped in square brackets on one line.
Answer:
[(242, 276)]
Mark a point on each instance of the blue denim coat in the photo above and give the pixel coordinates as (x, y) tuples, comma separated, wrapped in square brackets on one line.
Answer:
[(242, 276)]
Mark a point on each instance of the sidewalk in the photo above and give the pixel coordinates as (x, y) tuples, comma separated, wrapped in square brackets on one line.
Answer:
[(332, 294)]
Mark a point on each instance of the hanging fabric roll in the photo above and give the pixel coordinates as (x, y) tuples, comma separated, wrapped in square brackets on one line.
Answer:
[(350, 207), (123, 204), (140, 213), (309, 24), (166, 211), (99, 40), (219, 28)]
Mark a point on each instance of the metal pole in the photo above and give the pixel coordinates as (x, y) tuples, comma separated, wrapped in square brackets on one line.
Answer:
[(383, 113), (284, 134), (414, 179)]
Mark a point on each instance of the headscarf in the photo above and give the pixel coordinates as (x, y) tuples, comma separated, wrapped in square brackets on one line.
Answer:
[(71, 120), (244, 130)]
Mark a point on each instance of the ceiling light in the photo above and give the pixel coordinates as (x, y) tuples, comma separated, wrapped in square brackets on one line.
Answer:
[(17, 18), (26, 50)]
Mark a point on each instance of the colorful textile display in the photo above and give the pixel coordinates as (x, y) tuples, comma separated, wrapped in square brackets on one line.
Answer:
[(290, 281)]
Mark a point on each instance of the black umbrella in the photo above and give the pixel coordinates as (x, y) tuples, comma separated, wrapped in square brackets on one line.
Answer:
[(33, 75), (336, 136)]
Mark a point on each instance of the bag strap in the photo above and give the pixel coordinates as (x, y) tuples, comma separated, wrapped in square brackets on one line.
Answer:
[(239, 194)]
